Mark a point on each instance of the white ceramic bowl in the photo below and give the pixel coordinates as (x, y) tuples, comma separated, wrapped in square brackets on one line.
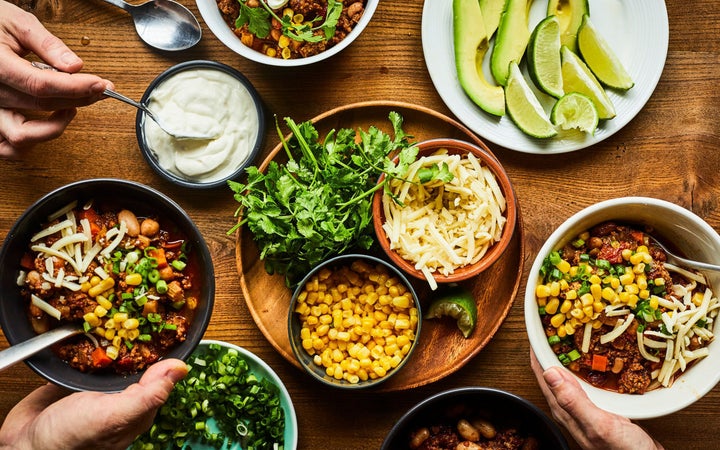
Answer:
[(214, 20), (689, 233)]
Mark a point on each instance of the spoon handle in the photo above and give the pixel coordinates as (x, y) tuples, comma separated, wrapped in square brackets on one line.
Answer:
[(128, 100), (22, 351), (121, 4)]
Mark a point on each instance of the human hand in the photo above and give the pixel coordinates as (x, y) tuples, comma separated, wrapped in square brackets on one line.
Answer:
[(23, 87), (592, 427), (49, 418)]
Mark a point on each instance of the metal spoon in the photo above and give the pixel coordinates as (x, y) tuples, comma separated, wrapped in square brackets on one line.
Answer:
[(684, 262), (163, 24), (156, 119), (24, 350)]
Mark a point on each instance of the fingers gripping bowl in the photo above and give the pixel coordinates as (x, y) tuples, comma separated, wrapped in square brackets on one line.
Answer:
[(72, 258), (657, 320), (447, 230)]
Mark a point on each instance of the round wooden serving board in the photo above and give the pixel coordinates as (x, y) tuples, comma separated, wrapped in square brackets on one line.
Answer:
[(441, 349)]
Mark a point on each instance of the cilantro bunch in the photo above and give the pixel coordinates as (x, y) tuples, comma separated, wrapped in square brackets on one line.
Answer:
[(258, 22), (318, 204)]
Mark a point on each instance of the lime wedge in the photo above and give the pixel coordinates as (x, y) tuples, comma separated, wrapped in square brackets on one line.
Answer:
[(575, 110), (600, 58), (577, 77), (544, 57), (524, 108), (458, 303)]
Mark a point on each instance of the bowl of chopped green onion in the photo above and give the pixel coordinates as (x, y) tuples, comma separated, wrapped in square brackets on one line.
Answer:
[(229, 399)]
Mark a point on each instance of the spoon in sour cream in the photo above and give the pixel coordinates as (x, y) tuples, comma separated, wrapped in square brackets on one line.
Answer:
[(116, 95)]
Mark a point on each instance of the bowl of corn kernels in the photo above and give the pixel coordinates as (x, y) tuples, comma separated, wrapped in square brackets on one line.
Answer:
[(354, 321), (605, 301)]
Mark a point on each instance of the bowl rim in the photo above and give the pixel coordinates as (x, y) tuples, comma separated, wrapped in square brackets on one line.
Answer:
[(290, 414), (496, 250), (464, 391), (42, 362), (140, 117), (211, 15), (293, 323), (687, 388)]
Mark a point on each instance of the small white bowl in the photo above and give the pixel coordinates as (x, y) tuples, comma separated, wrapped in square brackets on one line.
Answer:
[(214, 20), (689, 233)]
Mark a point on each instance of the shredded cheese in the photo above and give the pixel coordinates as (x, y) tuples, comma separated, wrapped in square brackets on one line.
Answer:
[(440, 227)]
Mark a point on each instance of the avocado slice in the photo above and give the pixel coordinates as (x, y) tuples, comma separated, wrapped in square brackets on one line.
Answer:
[(570, 14), (491, 11), (512, 38), (471, 44)]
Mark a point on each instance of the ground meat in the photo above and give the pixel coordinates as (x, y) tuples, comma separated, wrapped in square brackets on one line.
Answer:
[(136, 359), (441, 438), (169, 338), (74, 305), (77, 353)]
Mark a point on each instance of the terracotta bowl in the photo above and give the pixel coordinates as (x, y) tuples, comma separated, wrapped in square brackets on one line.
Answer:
[(455, 146)]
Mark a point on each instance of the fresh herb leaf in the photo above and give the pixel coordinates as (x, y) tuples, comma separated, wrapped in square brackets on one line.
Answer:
[(318, 204), (257, 19), (334, 9)]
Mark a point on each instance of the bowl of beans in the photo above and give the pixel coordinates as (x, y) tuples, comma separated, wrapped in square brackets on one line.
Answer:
[(604, 301), (449, 227), (474, 418), (287, 33), (354, 321), (120, 261)]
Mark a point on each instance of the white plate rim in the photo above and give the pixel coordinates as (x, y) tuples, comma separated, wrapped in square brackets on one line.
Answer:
[(644, 61)]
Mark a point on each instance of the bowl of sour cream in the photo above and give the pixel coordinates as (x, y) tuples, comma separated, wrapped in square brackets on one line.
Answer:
[(201, 98)]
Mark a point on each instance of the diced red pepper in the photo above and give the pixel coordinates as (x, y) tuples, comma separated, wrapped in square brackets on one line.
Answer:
[(159, 255), (27, 261), (100, 358), (92, 216), (638, 236), (599, 363)]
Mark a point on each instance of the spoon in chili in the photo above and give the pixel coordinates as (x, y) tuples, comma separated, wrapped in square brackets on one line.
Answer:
[(684, 262), (24, 350)]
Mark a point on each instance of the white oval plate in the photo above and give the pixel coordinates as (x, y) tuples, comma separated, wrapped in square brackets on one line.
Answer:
[(637, 31)]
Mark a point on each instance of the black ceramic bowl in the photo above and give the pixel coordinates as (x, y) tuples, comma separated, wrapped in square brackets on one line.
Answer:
[(136, 197), (255, 110), (500, 408), (318, 372)]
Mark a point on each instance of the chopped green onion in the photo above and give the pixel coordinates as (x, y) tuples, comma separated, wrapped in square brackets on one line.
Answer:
[(554, 339), (178, 265), (161, 287), (574, 355), (154, 276), (577, 243)]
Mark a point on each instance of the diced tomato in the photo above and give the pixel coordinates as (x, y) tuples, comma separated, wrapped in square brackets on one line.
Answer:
[(100, 358), (27, 261), (637, 235), (599, 363), (159, 255), (92, 216)]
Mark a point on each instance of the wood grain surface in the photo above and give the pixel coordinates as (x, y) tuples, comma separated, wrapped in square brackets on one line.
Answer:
[(671, 151)]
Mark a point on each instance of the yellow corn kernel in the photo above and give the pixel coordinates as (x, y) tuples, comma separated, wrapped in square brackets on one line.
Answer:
[(542, 291), (101, 287), (632, 301), (659, 281), (596, 324), (379, 370), (117, 341), (134, 279), (84, 287), (112, 352), (298, 18), (573, 271), (92, 319), (577, 313), (104, 302), (566, 306), (644, 294), (563, 266), (588, 311), (571, 294), (133, 334), (286, 53), (641, 281), (614, 282), (632, 289), (552, 306), (569, 329), (637, 258), (595, 291), (95, 280), (626, 254), (120, 317), (100, 311), (594, 279), (401, 302), (557, 320), (627, 278), (608, 294), (561, 332), (589, 299), (639, 268), (554, 289), (131, 324), (402, 324), (598, 306)]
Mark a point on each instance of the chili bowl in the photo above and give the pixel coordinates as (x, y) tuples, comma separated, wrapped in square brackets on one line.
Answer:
[(145, 202), (218, 25), (670, 224)]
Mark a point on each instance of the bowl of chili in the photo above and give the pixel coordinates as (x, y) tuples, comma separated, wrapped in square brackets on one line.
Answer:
[(287, 34), (603, 302), (119, 259)]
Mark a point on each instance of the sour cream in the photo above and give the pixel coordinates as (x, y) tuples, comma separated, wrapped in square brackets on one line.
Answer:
[(203, 102)]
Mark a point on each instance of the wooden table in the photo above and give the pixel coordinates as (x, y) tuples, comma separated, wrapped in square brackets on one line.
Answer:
[(671, 150)]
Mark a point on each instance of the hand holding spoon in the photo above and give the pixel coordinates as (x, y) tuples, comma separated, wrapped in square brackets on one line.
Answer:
[(23, 350)]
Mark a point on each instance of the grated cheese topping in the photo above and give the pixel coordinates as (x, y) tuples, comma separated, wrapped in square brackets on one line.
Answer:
[(440, 227)]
